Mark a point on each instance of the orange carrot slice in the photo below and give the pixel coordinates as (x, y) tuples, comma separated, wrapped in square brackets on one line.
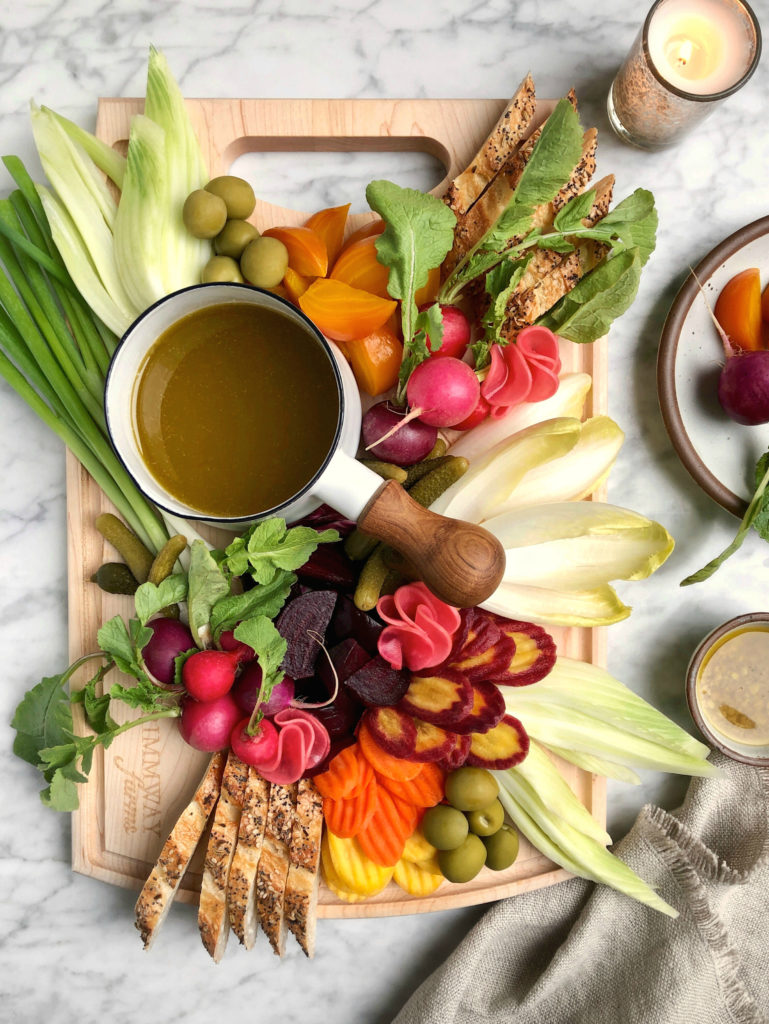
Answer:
[(329, 224), (385, 835), (306, 250), (385, 764), (348, 817), (343, 775), (425, 790)]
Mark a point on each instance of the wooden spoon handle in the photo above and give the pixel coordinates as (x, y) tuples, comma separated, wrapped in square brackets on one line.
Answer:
[(461, 563)]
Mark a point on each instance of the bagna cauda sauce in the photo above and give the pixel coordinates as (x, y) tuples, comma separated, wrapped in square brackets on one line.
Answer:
[(235, 409)]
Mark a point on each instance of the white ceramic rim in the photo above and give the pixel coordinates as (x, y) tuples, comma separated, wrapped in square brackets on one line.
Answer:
[(120, 416)]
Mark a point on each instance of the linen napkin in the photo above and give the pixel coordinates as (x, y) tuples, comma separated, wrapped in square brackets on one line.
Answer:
[(579, 953)]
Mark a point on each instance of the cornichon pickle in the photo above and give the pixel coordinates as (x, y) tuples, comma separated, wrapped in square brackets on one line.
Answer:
[(432, 486), (359, 545), (115, 578), (372, 576), (137, 557), (387, 470), (163, 564), (420, 469)]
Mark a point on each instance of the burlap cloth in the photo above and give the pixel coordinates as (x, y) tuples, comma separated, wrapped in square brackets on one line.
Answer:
[(577, 953)]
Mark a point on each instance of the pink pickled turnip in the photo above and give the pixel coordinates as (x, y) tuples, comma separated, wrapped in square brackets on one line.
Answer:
[(208, 675), (208, 726), (169, 639), (409, 442), (456, 333), (442, 392)]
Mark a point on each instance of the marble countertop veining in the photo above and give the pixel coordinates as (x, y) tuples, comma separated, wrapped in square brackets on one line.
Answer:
[(68, 948)]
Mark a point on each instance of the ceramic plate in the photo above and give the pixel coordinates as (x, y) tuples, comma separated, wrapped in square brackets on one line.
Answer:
[(720, 454)]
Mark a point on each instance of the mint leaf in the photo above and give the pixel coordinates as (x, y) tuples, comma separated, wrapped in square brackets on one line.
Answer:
[(151, 598), (265, 599), (207, 583), (419, 232)]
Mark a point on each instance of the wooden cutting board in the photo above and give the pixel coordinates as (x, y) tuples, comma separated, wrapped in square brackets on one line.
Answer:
[(139, 786)]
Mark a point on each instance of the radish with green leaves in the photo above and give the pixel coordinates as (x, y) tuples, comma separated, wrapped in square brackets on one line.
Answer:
[(443, 392)]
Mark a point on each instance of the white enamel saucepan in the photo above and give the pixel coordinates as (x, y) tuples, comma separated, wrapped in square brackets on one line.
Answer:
[(461, 562)]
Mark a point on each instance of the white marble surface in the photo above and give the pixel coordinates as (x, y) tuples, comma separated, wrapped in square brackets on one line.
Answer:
[(68, 945)]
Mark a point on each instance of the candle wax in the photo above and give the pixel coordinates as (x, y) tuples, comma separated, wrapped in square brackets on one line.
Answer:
[(700, 46)]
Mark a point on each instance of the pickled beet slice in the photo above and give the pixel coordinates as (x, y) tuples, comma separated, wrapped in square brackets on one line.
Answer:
[(329, 565), (349, 621)]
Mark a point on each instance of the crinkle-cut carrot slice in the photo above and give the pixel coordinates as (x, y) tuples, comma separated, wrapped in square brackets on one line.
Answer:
[(356, 871), (415, 879), (385, 764), (330, 224), (393, 821), (343, 313), (424, 790), (347, 817), (417, 848), (332, 879), (344, 774), (306, 250)]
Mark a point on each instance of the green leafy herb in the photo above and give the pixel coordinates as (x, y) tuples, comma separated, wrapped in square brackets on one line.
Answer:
[(207, 583), (270, 546), (265, 599), (756, 516), (586, 312), (270, 648), (418, 234), (150, 598), (500, 282)]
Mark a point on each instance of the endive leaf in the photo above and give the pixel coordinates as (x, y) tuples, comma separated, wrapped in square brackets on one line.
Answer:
[(569, 400), (544, 787), (596, 765), (574, 685), (598, 607), (578, 853), (575, 545), (573, 475), (494, 476)]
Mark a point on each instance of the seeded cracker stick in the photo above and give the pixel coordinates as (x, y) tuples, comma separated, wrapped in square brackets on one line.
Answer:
[(159, 890)]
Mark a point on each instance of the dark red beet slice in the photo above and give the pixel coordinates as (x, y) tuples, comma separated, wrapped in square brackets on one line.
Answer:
[(346, 657), (487, 709), (329, 565), (377, 684), (341, 716), (300, 619), (351, 621)]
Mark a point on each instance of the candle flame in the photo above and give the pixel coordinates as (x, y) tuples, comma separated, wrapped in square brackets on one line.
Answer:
[(685, 52)]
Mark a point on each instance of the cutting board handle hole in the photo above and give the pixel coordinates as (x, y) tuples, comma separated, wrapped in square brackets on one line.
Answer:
[(308, 174)]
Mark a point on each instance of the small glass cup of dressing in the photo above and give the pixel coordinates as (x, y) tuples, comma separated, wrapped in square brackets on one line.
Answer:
[(727, 688)]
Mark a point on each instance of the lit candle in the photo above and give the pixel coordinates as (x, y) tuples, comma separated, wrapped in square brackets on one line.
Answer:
[(689, 56), (700, 46)]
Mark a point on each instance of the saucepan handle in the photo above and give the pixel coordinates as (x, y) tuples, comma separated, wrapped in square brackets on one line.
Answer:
[(460, 562)]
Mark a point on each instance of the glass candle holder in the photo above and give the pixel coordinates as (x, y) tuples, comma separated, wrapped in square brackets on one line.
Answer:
[(688, 57)]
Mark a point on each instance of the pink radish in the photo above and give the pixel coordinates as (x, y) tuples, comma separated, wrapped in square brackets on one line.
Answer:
[(227, 642), (246, 691), (478, 415), (257, 749), (169, 639), (209, 674), (442, 392), (410, 442), (208, 726), (456, 332)]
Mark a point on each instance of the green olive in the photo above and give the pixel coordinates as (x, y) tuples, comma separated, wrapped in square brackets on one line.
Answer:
[(221, 268), (501, 848), (488, 821), (264, 262), (444, 827), (463, 863), (204, 214), (471, 789), (234, 237), (237, 195)]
